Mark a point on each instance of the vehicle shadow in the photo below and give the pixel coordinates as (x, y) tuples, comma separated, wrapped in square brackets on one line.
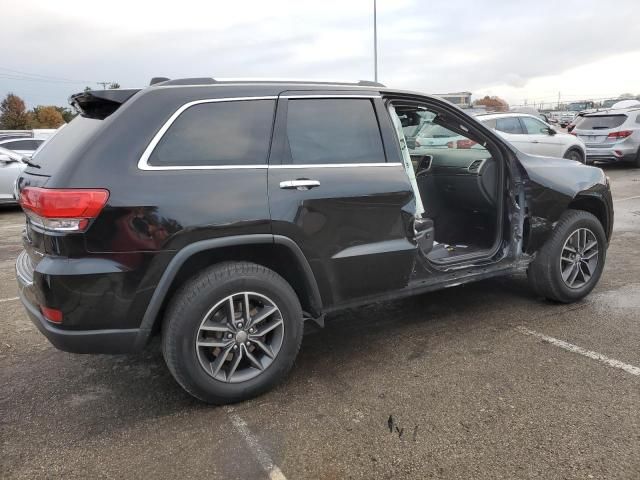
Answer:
[(98, 394)]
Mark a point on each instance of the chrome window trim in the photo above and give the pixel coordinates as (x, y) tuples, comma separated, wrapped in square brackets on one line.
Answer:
[(337, 165), (336, 96), (143, 163)]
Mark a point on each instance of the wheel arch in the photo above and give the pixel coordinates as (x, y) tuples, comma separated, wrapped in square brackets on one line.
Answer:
[(594, 205), (276, 252)]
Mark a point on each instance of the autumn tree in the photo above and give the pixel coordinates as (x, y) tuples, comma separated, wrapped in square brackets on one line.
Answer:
[(67, 113), (46, 117), (495, 104), (13, 113)]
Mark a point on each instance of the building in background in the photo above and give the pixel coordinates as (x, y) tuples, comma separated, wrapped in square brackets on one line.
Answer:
[(461, 99)]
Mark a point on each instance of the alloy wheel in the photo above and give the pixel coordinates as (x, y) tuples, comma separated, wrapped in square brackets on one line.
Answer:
[(579, 258), (239, 337)]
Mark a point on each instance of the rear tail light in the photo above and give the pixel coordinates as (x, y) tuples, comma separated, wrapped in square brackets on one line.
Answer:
[(51, 314), (620, 134), (464, 143), (62, 210)]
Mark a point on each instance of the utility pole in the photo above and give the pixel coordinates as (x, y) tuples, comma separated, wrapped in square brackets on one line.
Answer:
[(375, 41), (558, 101)]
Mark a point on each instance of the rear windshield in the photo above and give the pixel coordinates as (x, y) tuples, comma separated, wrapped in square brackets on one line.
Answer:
[(601, 122), (58, 148)]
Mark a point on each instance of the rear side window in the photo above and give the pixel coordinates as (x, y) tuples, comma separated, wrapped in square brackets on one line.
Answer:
[(330, 131), (218, 133), (601, 122), (22, 144), (509, 125)]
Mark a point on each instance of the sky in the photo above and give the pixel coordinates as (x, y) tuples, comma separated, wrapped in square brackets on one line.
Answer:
[(520, 50)]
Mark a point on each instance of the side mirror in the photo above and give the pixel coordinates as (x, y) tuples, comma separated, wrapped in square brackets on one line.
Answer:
[(551, 131)]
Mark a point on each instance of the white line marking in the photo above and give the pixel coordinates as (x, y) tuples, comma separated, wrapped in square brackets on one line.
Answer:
[(587, 353), (260, 455), (623, 199), (2, 300), (20, 225)]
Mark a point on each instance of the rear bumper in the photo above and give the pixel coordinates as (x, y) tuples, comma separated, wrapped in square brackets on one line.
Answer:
[(75, 340), (612, 154)]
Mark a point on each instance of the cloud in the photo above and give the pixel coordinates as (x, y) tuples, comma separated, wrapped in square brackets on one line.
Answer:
[(449, 46)]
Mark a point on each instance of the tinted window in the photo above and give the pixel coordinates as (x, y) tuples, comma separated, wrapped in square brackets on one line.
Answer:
[(509, 125), (489, 123), (219, 133), (601, 122), (333, 131), (22, 144), (533, 126)]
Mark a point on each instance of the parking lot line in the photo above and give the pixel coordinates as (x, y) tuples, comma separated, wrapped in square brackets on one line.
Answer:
[(15, 225), (260, 455), (623, 199), (10, 299), (581, 351)]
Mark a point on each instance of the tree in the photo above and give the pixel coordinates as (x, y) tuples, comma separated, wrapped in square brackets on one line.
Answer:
[(67, 113), (46, 117), (13, 113), (114, 85), (496, 104)]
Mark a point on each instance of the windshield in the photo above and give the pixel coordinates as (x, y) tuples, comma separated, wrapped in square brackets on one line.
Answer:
[(609, 103)]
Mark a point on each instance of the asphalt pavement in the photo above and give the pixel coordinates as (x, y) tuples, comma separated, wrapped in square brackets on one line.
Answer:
[(478, 381)]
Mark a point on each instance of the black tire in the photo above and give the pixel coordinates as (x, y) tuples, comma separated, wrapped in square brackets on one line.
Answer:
[(544, 272), (188, 308), (636, 162), (574, 154)]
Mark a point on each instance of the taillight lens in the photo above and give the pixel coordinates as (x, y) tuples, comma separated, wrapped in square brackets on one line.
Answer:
[(62, 210), (620, 134), (51, 314), (465, 143)]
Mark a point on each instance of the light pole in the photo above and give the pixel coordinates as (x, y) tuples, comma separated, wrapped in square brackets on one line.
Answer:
[(375, 42)]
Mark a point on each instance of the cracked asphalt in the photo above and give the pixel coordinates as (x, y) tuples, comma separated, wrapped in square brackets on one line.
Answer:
[(443, 385)]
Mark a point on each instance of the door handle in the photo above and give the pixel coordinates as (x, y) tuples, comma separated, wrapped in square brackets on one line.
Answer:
[(535, 141), (301, 184)]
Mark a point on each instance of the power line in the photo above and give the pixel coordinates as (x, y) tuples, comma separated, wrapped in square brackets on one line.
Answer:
[(47, 77)]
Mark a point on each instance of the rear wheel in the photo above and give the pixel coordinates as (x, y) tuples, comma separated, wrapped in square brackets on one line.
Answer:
[(570, 263), (232, 332), (576, 155)]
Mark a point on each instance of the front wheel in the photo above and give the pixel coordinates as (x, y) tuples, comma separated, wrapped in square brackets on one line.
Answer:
[(570, 263), (232, 332)]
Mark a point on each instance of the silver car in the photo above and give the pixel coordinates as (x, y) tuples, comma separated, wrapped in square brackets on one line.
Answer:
[(11, 165), (611, 135)]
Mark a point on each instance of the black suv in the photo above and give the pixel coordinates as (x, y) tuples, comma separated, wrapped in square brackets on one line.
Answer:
[(224, 214)]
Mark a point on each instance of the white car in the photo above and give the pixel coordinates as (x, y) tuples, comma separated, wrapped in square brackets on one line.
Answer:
[(531, 135), (22, 146), (11, 165)]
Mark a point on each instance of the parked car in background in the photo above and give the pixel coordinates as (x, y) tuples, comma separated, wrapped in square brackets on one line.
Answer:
[(23, 146), (11, 165), (611, 135), (532, 135), (566, 118)]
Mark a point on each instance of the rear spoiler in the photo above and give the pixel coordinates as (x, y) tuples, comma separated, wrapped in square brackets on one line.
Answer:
[(99, 104)]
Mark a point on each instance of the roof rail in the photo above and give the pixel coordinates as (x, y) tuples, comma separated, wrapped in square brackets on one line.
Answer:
[(210, 81)]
